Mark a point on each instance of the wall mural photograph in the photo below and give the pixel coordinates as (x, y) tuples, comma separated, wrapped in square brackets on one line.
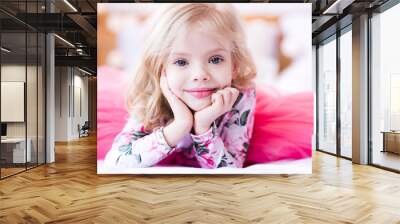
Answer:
[(204, 88)]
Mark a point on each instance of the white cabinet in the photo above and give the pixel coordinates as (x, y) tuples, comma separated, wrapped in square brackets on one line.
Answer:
[(18, 149)]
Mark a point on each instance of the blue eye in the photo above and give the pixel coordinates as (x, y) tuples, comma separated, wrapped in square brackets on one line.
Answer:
[(180, 62), (216, 60)]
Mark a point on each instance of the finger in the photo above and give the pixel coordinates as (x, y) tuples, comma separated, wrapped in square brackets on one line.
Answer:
[(213, 98), (218, 99), (221, 92), (235, 94), (227, 94)]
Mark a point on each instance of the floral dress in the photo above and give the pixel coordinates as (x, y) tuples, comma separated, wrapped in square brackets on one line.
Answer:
[(225, 144)]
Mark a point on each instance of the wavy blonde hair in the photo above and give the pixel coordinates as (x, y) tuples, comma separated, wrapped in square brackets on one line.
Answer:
[(144, 98)]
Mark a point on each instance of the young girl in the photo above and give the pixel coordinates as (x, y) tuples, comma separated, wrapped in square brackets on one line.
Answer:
[(192, 100)]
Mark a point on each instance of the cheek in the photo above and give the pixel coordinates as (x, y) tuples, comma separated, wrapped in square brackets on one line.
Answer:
[(175, 80), (223, 75)]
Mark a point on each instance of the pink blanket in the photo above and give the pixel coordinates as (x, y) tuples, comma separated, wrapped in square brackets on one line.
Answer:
[(283, 124), (283, 127), (111, 113)]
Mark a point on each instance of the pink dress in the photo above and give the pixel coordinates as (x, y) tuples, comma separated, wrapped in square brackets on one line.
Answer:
[(225, 144)]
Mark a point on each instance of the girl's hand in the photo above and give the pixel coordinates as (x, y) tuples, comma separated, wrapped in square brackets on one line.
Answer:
[(222, 102), (179, 108)]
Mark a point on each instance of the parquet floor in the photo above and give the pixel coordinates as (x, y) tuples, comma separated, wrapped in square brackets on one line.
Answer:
[(70, 191), (9, 171)]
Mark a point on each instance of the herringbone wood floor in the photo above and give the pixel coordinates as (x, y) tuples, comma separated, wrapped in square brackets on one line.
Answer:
[(70, 191)]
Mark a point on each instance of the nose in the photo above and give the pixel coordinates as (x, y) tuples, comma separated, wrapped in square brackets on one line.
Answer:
[(200, 73)]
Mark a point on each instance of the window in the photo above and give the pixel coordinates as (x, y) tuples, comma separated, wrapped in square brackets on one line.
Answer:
[(327, 96), (385, 89), (346, 93), (22, 68)]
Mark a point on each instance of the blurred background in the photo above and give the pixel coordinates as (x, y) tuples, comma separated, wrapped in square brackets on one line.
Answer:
[(278, 37)]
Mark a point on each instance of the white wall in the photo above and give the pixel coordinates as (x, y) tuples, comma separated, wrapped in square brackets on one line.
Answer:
[(14, 73), (80, 83), (70, 83), (33, 126), (62, 81), (17, 73)]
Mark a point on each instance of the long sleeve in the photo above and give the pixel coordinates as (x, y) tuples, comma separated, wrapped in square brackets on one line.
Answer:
[(134, 148), (225, 144)]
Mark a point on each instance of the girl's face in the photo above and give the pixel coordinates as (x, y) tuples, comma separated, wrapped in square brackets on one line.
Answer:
[(198, 66)]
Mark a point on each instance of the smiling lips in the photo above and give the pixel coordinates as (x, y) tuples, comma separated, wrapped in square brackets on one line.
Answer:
[(201, 92)]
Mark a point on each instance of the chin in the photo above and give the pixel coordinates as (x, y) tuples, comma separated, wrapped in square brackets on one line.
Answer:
[(199, 105)]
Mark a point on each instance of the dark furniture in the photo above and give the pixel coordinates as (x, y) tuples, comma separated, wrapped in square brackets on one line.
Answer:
[(3, 129), (391, 141), (84, 130)]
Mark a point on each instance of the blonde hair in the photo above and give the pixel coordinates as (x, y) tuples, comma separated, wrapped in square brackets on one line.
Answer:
[(145, 100)]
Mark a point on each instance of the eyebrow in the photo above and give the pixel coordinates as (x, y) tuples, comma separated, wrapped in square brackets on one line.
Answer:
[(186, 54)]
